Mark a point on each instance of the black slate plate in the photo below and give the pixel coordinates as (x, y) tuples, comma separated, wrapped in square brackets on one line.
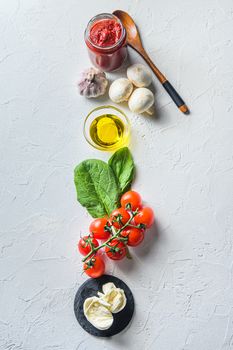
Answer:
[(90, 289)]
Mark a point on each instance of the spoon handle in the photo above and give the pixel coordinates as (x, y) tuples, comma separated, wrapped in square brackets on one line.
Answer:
[(163, 80)]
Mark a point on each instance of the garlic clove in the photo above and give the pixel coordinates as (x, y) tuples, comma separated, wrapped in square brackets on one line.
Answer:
[(141, 100), (139, 75), (120, 90), (93, 83)]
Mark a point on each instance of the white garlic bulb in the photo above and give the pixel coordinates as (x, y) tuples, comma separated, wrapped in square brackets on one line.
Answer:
[(93, 83)]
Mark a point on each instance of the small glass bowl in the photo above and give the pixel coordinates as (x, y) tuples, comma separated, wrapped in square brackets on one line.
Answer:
[(99, 111)]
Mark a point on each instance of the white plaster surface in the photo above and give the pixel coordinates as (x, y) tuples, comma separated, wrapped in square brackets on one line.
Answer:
[(182, 277)]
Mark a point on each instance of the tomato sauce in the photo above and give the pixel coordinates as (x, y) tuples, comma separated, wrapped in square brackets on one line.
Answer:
[(105, 38), (105, 33)]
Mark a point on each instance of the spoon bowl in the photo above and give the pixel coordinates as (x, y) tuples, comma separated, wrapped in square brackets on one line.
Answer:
[(130, 27)]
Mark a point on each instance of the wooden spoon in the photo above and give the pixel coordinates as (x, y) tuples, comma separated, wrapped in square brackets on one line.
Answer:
[(133, 40)]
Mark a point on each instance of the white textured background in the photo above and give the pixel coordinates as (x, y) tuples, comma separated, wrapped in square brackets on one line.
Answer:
[(182, 279)]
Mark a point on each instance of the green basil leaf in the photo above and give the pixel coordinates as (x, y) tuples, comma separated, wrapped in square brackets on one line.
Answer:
[(123, 167), (96, 187)]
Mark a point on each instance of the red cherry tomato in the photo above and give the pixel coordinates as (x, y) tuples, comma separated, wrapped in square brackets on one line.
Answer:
[(94, 267), (135, 236), (97, 228), (132, 199), (119, 214), (84, 244), (116, 250), (145, 216)]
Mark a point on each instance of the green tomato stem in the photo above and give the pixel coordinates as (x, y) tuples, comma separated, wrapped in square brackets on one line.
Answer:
[(115, 235), (135, 226)]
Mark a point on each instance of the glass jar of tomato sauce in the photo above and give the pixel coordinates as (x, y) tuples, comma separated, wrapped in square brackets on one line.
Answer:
[(105, 38)]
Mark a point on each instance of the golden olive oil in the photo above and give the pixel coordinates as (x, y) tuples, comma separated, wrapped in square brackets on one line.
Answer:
[(107, 131)]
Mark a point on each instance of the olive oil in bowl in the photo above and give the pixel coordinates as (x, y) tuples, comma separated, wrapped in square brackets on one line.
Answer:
[(107, 128)]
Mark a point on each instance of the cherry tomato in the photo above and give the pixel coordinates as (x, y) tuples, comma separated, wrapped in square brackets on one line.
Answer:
[(116, 250), (145, 216), (97, 228), (135, 236), (133, 199), (119, 213), (84, 244), (94, 267)]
